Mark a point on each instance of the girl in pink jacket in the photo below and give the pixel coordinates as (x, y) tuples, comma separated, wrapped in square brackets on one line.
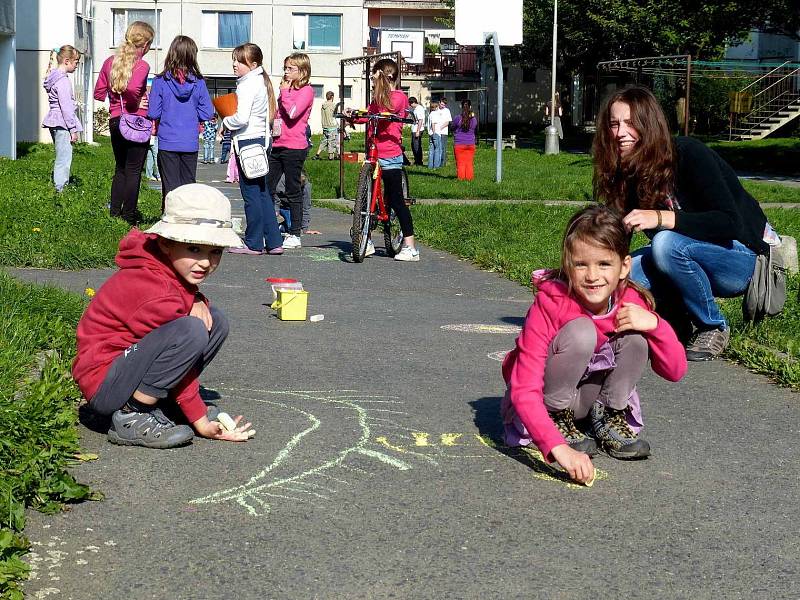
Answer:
[(582, 350)]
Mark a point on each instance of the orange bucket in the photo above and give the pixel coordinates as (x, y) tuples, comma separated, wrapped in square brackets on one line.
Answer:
[(225, 105)]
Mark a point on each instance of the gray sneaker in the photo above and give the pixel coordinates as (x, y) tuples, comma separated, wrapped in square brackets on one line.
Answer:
[(614, 434), (708, 344), (151, 430), (565, 422)]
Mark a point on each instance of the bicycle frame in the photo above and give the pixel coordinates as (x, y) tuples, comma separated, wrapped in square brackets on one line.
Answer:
[(376, 198)]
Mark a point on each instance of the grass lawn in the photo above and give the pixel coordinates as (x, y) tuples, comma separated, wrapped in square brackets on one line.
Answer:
[(527, 175)]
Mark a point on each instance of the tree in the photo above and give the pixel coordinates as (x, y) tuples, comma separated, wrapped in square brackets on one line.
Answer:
[(591, 31)]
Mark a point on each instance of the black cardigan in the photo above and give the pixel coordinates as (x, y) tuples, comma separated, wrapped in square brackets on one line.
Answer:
[(714, 207)]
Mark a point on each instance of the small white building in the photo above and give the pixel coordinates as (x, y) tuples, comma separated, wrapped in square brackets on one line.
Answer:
[(43, 26), (326, 30)]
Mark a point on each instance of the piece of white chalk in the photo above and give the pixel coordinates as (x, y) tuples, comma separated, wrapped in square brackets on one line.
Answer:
[(227, 422), (315, 318), (251, 433)]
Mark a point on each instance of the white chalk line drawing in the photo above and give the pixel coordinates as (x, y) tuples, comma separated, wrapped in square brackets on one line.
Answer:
[(482, 328), (252, 495), (499, 355)]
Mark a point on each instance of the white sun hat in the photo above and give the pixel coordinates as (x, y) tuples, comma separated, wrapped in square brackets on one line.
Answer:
[(197, 214)]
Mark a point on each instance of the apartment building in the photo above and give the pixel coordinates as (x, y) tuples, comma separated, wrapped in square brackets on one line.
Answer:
[(326, 30)]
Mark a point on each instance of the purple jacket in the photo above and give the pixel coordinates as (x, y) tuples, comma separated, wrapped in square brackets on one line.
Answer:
[(179, 107), (62, 103), (463, 138)]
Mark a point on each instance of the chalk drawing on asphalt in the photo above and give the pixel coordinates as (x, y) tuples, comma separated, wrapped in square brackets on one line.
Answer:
[(482, 328), (287, 476), (499, 355)]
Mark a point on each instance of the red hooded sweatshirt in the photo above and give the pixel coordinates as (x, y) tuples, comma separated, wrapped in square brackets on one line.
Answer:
[(143, 295)]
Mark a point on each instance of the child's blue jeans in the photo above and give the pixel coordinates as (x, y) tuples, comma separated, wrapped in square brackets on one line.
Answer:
[(208, 150)]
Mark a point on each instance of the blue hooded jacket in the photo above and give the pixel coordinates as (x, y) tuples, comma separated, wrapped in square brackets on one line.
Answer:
[(179, 107)]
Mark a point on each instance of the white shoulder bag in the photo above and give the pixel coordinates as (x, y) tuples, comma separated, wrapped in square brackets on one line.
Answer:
[(253, 160)]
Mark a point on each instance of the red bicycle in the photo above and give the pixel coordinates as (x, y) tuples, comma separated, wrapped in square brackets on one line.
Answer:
[(369, 208)]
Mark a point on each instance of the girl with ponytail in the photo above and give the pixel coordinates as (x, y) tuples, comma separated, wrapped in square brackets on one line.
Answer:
[(61, 120), (123, 81)]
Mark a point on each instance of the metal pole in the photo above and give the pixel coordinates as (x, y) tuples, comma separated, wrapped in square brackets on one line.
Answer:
[(367, 95), (688, 87), (499, 64), (341, 130), (553, 74)]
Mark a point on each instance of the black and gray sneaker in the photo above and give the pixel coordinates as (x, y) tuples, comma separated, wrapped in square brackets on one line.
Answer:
[(565, 422), (615, 436), (708, 344), (149, 429)]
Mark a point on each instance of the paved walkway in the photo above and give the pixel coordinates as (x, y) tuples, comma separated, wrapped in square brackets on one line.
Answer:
[(377, 470)]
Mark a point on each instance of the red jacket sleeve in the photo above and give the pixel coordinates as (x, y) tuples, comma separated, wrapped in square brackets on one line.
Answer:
[(526, 377)]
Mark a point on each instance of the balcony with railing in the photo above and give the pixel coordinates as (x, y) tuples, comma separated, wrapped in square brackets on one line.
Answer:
[(462, 62)]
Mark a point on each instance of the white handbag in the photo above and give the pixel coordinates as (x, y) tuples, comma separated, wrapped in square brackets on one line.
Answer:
[(253, 160)]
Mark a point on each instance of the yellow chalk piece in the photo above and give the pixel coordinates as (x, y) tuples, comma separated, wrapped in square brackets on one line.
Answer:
[(590, 483), (486, 440), (86, 456), (450, 439), (420, 439)]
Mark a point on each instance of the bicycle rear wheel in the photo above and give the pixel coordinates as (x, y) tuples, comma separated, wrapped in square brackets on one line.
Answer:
[(392, 233), (359, 233)]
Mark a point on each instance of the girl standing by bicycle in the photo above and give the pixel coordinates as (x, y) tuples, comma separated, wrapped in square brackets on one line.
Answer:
[(290, 144), (387, 97), (582, 350)]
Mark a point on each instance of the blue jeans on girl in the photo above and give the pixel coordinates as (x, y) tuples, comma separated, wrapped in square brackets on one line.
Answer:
[(434, 151), (262, 224), (676, 267), (63, 148)]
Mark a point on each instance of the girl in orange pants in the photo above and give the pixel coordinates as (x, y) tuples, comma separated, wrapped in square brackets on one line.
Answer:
[(465, 126)]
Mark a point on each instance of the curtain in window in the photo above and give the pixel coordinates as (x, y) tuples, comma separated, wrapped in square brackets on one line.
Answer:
[(234, 29), (324, 31)]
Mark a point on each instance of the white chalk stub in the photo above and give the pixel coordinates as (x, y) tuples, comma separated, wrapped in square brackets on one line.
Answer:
[(227, 422), (315, 318)]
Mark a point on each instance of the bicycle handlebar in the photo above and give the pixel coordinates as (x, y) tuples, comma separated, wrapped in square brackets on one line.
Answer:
[(385, 116)]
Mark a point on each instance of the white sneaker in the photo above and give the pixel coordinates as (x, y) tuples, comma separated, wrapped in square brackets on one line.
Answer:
[(370, 248), (407, 254), (292, 241)]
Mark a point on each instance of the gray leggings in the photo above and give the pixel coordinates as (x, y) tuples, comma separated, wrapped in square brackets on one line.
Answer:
[(160, 360), (566, 381)]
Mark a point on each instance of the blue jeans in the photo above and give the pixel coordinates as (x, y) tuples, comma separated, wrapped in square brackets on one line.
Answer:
[(262, 225), (677, 267), (434, 151), (63, 148), (151, 166), (443, 149), (208, 150)]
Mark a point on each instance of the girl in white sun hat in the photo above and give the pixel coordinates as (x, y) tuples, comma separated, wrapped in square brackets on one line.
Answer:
[(149, 332)]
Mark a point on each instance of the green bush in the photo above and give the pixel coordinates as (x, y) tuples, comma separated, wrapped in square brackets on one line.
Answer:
[(38, 413)]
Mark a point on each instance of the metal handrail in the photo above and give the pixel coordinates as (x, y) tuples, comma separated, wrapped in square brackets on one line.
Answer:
[(765, 75), (776, 82)]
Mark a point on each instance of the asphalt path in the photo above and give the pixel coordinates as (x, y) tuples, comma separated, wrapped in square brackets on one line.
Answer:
[(377, 470)]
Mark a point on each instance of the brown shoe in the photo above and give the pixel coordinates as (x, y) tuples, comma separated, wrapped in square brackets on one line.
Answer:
[(708, 344)]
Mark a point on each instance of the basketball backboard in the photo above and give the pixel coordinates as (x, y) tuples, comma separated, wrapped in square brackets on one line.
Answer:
[(410, 43), (477, 18)]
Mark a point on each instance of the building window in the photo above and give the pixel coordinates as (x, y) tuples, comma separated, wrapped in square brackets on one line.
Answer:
[(317, 32), (319, 90), (225, 29), (122, 17)]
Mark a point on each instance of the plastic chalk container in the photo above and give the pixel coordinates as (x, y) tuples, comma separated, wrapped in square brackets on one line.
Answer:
[(282, 283)]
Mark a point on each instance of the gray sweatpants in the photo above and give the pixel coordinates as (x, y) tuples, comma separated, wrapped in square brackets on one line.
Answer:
[(566, 381), (160, 360)]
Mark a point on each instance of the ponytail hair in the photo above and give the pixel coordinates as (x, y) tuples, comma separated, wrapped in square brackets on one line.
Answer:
[(466, 115), (386, 80), (250, 54), (138, 35)]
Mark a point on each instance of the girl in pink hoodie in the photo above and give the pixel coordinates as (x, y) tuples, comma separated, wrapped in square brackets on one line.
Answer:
[(582, 350), (290, 142), (61, 120)]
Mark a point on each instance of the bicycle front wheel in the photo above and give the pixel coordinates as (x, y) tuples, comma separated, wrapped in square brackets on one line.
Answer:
[(359, 233), (392, 233)]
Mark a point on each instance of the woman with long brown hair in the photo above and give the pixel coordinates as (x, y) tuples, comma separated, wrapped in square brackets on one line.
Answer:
[(123, 78), (705, 230), (179, 101)]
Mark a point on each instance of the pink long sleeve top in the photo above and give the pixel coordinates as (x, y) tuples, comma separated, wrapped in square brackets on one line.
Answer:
[(554, 307), (137, 86), (294, 109), (389, 137)]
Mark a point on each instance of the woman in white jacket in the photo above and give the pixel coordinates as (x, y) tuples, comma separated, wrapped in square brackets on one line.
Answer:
[(250, 125)]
